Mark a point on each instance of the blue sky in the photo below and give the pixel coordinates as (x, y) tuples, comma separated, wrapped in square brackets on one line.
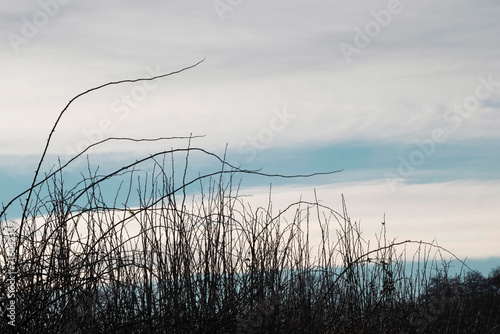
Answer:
[(402, 95)]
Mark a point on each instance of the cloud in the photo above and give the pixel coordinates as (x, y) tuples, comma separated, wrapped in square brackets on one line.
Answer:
[(289, 57), (460, 215), (267, 56)]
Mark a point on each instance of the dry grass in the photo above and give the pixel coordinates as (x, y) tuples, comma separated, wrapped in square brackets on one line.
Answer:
[(207, 263), (152, 259)]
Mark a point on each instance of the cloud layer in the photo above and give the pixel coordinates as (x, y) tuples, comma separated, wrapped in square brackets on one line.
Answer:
[(403, 90)]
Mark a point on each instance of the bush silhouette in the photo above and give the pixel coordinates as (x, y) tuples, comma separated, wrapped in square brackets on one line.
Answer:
[(153, 259)]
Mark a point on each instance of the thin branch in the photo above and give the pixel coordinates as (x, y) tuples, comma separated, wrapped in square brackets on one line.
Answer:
[(59, 118)]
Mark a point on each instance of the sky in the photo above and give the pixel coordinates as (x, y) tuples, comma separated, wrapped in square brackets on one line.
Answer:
[(403, 96)]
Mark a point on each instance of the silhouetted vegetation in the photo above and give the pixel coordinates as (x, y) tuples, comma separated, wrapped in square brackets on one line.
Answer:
[(170, 252), (468, 303)]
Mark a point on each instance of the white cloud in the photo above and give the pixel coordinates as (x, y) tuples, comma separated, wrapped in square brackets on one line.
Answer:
[(288, 57), (461, 215), (262, 56)]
